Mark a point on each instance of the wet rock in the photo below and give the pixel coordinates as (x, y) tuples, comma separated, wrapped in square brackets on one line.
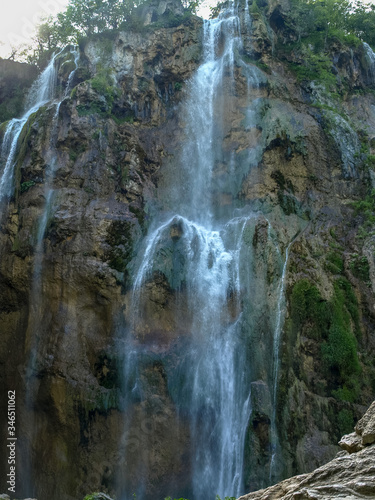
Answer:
[(348, 476)]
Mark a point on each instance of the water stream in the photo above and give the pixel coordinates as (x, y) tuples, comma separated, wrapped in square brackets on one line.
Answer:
[(206, 256), (45, 86), (41, 92), (275, 369)]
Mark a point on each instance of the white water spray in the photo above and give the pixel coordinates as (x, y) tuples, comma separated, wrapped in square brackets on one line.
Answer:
[(215, 255), (41, 92)]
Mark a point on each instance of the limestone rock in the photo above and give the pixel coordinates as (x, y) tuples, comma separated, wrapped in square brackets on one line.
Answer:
[(154, 10), (366, 426), (350, 475), (351, 442)]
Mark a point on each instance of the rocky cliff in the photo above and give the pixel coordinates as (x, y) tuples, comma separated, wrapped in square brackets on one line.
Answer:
[(349, 475), (15, 80), (91, 177)]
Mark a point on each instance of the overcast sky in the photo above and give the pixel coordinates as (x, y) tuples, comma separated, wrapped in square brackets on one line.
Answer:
[(19, 17)]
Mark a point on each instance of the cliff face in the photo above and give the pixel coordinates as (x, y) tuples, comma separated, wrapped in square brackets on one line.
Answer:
[(349, 475), (92, 176), (15, 80)]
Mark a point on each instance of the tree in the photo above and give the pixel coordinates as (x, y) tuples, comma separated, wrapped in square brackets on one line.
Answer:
[(84, 18)]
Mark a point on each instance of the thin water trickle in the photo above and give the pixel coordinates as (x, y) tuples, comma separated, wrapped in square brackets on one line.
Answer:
[(370, 56), (44, 88), (276, 367)]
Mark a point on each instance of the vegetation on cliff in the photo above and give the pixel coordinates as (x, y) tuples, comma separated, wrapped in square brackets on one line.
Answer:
[(85, 19)]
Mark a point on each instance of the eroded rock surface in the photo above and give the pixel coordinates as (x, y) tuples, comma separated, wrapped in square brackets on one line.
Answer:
[(350, 475)]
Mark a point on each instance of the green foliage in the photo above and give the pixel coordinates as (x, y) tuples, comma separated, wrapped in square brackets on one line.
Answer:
[(347, 392), (334, 263), (170, 498), (313, 27), (103, 84), (87, 18), (316, 67), (366, 208), (309, 310), (340, 350), (332, 323), (341, 20), (215, 10), (369, 162), (360, 268), (345, 421), (25, 186)]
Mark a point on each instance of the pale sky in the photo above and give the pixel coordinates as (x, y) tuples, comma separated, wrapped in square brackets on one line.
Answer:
[(19, 17)]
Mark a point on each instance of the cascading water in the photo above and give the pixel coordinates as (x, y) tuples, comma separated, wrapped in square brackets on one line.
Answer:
[(370, 56), (40, 93), (45, 88), (206, 254), (275, 368)]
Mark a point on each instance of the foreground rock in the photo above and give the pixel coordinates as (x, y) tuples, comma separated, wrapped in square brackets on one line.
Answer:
[(350, 475)]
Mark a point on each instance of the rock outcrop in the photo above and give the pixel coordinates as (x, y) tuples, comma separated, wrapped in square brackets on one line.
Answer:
[(351, 475)]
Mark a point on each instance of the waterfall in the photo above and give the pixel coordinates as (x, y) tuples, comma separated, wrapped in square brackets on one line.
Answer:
[(370, 56), (276, 366), (210, 266), (45, 88), (41, 92), (51, 158)]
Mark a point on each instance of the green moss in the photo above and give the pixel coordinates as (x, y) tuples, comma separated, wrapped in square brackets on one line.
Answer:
[(288, 203), (316, 67), (139, 213), (366, 209), (283, 184), (340, 350), (332, 323), (107, 372), (360, 268), (92, 108), (334, 263), (76, 150), (308, 310), (25, 186), (103, 84), (345, 421)]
